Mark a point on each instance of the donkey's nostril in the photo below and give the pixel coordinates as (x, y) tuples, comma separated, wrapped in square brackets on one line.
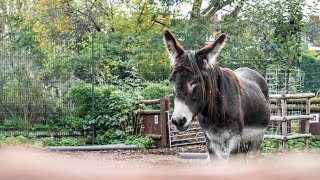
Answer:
[(179, 122), (174, 122), (183, 121)]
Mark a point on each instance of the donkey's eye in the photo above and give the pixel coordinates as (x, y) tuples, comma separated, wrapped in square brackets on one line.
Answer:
[(191, 86), (193, 83)]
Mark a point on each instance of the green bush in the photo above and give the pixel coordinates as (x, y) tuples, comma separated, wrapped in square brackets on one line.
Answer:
[(13, 140), (80, 94), (314, 143), (269, 146), (143, 142), (48, 141), (112, 136), (23, 125), (17, 123), (2, 139), (296, 144), (157, 90), (71, 142), (73, 122), (115, 111)]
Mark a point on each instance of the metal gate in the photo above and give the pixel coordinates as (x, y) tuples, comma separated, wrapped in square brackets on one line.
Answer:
[(193, 136)]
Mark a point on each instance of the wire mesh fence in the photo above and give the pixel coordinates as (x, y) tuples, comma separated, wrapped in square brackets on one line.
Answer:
[(40, 76)]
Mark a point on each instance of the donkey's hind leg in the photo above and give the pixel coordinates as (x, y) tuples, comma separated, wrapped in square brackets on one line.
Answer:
[(254, 147)]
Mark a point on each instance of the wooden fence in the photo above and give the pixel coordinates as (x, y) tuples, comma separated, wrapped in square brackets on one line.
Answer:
[(279, 104)]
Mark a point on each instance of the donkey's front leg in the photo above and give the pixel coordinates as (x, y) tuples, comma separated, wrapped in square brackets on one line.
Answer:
[(220, 148)]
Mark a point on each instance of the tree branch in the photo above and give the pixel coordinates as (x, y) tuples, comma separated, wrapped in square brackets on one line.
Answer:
[(215, 6)]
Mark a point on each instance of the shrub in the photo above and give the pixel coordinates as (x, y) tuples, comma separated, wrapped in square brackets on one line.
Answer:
[(49, 141), (23, 125), (157, 91), (296, 144), (13, 140), (70, 142), (80, 94), (2, 139), (143, 142), (17, 123), (115, 111), (268, 146), (314, 143)]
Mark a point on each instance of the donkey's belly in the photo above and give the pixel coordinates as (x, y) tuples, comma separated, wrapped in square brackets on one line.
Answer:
[(251, 134)]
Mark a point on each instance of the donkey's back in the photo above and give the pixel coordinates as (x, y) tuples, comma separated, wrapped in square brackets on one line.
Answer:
[(248, 74)]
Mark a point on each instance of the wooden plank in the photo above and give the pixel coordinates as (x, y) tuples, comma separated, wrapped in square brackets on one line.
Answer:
[(154, 136), (297, 136), (149, 102), (292, 96), (149, 112), (315, 100), (290, 118), (185, 144), (277, 137), (300, 117), (185, 132), (288, 137), (189, 134), (300, 108), (186, 139), (277, 118)]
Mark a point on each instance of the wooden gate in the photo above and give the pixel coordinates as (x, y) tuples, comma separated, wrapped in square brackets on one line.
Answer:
[(155, 121), (193, 136)]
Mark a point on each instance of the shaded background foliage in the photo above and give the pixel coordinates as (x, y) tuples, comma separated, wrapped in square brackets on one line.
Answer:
[(48, 47)]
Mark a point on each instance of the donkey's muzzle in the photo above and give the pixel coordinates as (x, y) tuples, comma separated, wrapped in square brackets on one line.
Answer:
[(180, 123)]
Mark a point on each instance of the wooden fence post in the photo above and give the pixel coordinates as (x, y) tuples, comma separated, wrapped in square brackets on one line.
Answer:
[(307, 125), (284, 123), (163, 122), (279, 111)]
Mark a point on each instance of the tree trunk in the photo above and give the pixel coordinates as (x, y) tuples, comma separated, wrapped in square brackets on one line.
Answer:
[(196, 7)]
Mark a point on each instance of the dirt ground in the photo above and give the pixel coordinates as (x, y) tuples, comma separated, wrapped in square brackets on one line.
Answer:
[(27, 163)]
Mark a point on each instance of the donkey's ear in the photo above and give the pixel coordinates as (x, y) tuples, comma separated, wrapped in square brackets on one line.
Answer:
[(211, 51), (172, 45)]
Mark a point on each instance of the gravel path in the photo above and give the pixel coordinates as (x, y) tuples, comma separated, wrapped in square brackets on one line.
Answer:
[(35, 164)]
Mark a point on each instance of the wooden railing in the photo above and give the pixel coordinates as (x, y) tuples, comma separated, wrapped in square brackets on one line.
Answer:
[(282, 118)]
